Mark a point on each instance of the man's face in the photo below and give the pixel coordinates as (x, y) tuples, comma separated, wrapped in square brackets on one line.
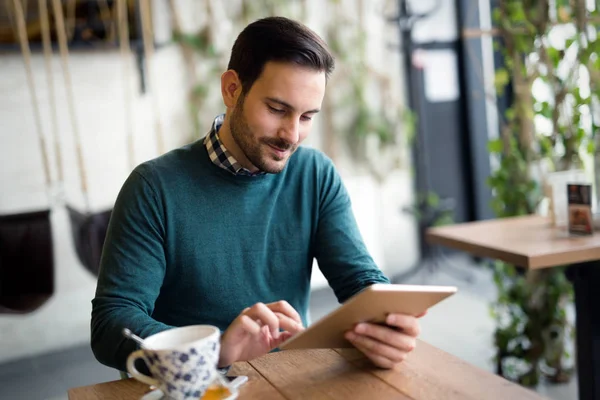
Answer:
[(275, 116)]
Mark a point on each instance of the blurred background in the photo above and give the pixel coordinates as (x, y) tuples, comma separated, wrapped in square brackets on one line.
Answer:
[(439, 112)]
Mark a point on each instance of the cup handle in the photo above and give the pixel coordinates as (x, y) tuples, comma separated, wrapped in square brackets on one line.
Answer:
[(135, 373)]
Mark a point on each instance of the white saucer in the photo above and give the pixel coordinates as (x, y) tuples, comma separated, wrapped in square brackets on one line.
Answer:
[(157, 394), (153, 395)]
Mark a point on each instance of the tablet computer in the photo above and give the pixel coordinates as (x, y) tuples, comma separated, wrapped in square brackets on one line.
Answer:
[(372, 304)]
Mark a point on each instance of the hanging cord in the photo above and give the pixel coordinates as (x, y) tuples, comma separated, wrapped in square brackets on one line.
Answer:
[(64, 53), (25, 50), (45, 25), (187, 52), (71, 21), (148, 40), (106, 17), (125, 52)]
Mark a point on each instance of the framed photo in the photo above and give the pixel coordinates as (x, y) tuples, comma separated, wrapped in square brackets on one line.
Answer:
[(580, 209)]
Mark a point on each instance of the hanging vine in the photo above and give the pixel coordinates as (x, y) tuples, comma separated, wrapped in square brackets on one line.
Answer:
[(377, 125)]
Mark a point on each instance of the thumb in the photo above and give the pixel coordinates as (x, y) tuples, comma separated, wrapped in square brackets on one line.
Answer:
[(282, 338)]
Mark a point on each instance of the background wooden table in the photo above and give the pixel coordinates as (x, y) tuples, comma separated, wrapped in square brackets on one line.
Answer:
[(428, 374), (529, 242), (533, 243)]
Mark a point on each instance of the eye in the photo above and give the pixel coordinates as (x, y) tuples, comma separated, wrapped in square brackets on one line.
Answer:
[(275, 110), (306, 118)]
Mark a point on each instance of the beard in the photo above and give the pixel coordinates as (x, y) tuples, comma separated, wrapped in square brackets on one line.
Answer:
[(257, 151)]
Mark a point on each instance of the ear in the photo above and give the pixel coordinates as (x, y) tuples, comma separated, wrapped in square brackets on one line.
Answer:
[(231, 88)]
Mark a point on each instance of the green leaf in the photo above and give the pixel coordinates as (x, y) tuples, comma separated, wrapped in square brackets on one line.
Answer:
[(591, 147), (545, 146), (495, 146), (546, 110), (497, 15), (200, 90), (501, 79), (510, 114), (554, 55)]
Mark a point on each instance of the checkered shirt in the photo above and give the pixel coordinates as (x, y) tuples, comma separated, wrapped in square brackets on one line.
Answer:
[(218, 153)]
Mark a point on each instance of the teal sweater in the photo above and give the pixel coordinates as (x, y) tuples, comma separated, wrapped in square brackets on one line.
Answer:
[(190, 243)]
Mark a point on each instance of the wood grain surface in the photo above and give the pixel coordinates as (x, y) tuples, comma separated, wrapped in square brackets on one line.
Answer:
[(345, 374), (529, 241)]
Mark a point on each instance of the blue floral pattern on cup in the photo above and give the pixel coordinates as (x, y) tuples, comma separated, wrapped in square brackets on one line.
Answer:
[(183, 373)]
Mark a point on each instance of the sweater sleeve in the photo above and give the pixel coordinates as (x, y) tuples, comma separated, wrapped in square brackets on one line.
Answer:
[(339, 248), (132, 269)]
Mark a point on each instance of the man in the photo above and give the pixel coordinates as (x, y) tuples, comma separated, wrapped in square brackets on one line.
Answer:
[(224, 231)]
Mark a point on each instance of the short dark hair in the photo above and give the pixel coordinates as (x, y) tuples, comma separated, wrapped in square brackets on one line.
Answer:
[(277, 39)]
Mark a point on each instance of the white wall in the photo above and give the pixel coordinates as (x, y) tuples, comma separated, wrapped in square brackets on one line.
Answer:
[(98, 85), (97, 78)]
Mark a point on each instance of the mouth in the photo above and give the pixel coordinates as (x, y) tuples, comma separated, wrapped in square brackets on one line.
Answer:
[(278, 151)]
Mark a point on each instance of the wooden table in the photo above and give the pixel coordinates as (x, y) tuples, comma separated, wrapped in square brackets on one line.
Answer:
[(532, 242), (428, 374)]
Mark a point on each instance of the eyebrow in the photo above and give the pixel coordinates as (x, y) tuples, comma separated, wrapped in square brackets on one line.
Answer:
[(290, 107)]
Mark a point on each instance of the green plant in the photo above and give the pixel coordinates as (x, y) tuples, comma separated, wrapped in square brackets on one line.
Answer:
[(430, 210), (532, 328)]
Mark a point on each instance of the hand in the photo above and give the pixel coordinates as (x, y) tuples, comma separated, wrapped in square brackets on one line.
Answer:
[(256, 331), (386, 346)]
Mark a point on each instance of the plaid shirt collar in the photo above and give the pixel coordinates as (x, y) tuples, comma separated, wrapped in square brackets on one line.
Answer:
[(220, 156)]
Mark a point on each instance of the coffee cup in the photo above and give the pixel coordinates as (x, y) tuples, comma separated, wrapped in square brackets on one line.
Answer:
[(183, 361)]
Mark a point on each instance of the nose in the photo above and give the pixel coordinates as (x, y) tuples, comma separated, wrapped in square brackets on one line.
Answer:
[(290, 130)]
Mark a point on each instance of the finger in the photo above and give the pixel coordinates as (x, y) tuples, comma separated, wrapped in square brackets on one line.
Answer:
[(261, 312), (284, 307), (422, 314), (407, 323), (376, 359), (377, 348), (288, 324), (282, 338), (249, 325), (386, 335)]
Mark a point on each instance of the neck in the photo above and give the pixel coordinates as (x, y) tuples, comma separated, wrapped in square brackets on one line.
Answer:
[(232, 147)]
